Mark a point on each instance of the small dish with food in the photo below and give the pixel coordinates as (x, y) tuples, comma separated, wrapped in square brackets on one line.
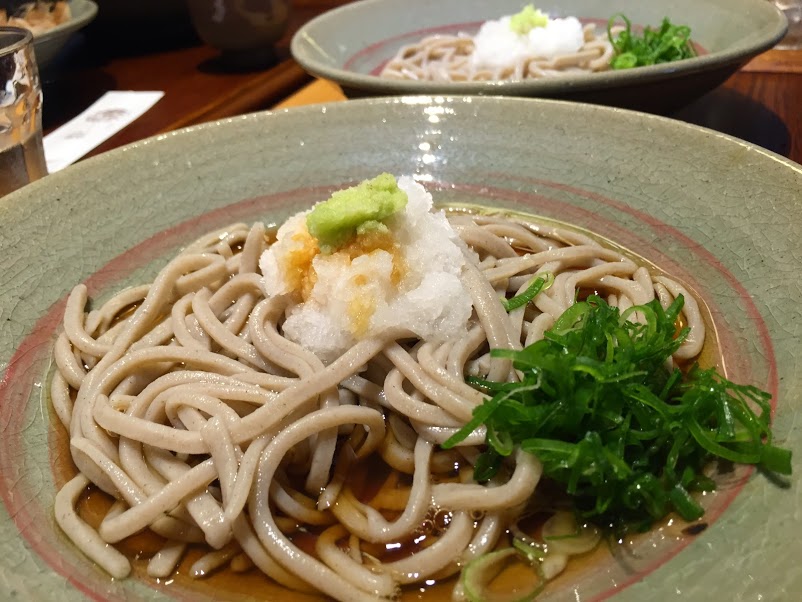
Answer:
[(52, 23)]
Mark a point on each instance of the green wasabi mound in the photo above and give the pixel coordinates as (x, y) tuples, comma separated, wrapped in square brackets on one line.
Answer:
[(526, 20), (360, 208)]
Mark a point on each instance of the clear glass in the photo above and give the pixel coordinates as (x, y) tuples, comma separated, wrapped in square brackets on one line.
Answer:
[(22, 156), (793, 12)]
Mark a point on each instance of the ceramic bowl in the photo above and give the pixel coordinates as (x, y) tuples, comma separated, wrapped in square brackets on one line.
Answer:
[(47, 45), (350, 44), (720, 214), (244, 32)]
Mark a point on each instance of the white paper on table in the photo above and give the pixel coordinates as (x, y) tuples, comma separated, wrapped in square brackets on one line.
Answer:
[(107, 116)]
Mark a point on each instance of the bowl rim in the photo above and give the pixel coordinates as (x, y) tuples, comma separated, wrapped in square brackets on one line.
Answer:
[(765, 38), (255, 118), (26, 38)]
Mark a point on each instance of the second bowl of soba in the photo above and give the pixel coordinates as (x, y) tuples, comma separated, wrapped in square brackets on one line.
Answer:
[(644, 55)]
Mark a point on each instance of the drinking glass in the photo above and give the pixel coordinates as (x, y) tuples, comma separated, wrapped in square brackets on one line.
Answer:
[(793, 12), (22, 156)]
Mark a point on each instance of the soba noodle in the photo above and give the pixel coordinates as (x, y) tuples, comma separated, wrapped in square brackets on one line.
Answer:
[(185, 402), (448, 58)]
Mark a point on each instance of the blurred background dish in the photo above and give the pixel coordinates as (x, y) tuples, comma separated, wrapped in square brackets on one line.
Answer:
[(49, 40), (350, 44), (243, 30)]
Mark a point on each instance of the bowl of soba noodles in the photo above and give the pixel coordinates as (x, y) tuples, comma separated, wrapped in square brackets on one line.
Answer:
[(401, 349), (644, 55)]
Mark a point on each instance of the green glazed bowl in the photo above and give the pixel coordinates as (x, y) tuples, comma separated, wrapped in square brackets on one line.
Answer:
[(349, 44), (720, 214)]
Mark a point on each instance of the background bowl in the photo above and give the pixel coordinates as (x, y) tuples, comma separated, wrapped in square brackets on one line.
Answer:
[(719, 213), (349, 43), (47, 45), (245, 33)]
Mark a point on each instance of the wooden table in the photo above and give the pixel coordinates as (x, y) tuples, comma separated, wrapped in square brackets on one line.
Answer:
[(760, 104)]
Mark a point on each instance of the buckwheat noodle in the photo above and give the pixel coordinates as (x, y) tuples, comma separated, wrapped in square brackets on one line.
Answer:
[(186, 404), (448, 58)]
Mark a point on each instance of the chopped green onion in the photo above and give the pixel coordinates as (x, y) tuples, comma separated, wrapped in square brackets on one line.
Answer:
[(626, 438), (537, 285), (487, 466), (563, 534), (687, 507), (480, 572), (776, 459), (665, 44), (533, 552)]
